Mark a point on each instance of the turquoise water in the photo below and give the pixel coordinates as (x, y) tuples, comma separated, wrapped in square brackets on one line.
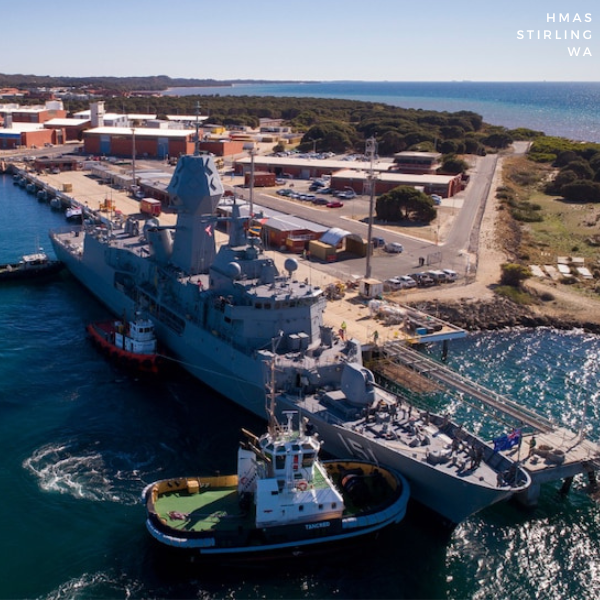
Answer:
[(79, 440), (564, 109)]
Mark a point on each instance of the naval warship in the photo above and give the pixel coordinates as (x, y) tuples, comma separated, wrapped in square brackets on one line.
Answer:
[(228, 316)]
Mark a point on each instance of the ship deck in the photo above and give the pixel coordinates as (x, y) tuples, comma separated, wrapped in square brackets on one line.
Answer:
[(408, 432), (214, 509)]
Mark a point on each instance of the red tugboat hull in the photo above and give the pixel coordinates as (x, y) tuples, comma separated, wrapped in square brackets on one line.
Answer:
[(103, 336)]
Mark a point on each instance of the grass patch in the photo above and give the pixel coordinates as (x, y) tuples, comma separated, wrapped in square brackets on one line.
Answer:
[(550, 226), (516, 295)]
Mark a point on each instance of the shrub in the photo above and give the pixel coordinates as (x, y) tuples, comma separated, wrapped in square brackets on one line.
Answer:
[(514, 274), (516, 295), (526, 216)]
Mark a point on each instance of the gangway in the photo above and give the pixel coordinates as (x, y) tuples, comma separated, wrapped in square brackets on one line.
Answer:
[(398, 352)]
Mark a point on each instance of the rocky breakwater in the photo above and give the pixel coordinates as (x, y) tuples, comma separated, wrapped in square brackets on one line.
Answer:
[(500, 313)]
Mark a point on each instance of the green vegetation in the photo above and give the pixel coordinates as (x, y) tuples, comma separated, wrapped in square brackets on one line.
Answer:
[(548, 149), (511, 283), (538, 227), (112, 85), (521, 209), (334, 125), (518, 296), (514, 274), (405, 203)]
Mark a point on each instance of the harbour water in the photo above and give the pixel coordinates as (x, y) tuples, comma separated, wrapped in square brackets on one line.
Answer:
[(80, 440), (556, 108)]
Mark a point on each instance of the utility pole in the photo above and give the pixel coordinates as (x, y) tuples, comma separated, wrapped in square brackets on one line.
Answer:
[(251, 197), (370, 151), (133, 159)]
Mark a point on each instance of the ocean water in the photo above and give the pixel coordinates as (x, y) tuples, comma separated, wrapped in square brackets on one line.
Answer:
[(556, 108), (79, 440)]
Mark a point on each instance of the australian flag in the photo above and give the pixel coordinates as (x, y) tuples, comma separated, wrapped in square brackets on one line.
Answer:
[(505, 442)]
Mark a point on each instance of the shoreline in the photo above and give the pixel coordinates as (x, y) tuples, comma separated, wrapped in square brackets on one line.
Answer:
[(475, 306)]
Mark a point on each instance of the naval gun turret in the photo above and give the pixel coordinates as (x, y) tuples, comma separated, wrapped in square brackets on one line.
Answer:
[(195, 190)]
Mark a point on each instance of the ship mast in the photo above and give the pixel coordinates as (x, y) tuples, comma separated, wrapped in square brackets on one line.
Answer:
[(272, 424), (197, 139), (370, 151)]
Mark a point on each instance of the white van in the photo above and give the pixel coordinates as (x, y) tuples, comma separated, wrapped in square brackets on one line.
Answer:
[(394, 247), (451, 275)]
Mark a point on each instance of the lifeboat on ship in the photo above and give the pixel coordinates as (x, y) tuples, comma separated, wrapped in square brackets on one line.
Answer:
[(131, 344)]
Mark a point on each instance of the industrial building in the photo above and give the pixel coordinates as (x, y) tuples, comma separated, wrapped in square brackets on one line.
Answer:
[(353, 174), (417, 162)]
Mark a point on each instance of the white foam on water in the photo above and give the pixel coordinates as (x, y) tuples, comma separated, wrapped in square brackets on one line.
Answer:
[(86, 472)]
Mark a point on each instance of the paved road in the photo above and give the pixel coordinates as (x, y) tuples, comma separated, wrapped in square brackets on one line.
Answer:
[(461, 241)]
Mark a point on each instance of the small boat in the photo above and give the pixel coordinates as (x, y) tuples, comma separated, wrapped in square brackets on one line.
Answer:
[(42, 196), (74, 213), (283, 500), (131, 344), (29, 267), (55, 203)]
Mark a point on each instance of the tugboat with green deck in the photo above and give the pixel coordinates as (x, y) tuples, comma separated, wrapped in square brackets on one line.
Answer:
[(283, 500)]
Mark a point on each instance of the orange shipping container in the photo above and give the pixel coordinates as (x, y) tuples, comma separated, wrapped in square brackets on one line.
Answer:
[(150, 206)]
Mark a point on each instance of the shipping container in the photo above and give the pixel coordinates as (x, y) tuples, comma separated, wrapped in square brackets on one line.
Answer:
[(261, 179), (150, 206), (321, 251)]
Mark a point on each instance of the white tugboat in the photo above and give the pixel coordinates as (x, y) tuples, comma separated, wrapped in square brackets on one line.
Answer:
[(283, 499)]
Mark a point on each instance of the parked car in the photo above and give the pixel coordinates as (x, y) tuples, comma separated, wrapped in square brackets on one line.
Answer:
[(399, 283), (437, 200), (377, 242), (320, 201), (326, 190), (394, 247), (335, 204), (392, 284), (422, 279), (406, 281), (347, 194), (437, 276), (451, 275)]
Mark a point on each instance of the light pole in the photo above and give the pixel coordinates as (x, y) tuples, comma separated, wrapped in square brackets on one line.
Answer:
[(251, 196), (371, 149), (133, 159)]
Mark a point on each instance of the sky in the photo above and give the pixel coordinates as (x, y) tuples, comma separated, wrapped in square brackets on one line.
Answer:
[(323, 40)]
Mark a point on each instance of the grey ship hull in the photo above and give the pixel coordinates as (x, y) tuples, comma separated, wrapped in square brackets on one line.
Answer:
[(207, 357), (443, 490)]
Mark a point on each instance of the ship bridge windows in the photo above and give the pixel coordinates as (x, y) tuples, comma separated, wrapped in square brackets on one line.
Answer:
[(308, 459)]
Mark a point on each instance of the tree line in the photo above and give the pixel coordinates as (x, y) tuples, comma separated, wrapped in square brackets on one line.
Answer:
[(577, 177)]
